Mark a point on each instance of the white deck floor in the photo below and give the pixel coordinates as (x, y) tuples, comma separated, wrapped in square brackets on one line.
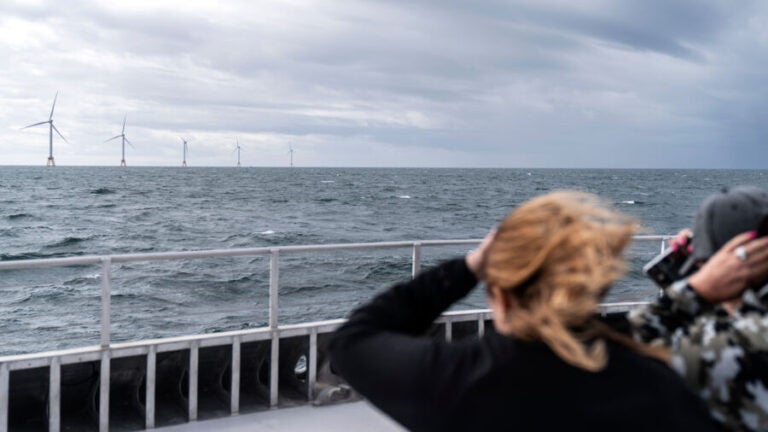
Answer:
[(355, 416)]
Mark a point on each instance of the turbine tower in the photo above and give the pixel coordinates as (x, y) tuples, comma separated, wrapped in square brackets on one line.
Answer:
[(125, 140), (51, 128), (290, 151), (238, 152), (184, 161)]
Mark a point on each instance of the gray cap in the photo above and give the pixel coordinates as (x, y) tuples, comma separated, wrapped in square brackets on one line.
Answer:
[(724, 215)]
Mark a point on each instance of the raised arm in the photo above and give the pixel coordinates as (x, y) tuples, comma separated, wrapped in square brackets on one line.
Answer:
[(383, 352)]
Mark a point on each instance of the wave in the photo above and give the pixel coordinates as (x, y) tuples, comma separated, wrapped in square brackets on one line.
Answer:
[(83, 280), (68, 241), (404, 196), (18, 216), (34, 255), (103, 191), (630, 202)]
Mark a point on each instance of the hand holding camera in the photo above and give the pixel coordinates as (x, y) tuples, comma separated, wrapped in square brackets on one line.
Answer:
[(674, 263)]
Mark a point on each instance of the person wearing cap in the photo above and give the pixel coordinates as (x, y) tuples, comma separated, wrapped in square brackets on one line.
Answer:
[(716, 321)]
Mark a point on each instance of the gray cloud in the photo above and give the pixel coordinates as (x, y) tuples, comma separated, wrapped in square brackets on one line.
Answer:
[(491, 83)]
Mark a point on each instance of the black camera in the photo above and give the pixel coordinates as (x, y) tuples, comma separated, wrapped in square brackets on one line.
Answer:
[(667, 267)]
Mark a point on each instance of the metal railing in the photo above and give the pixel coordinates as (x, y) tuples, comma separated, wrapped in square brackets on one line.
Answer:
[(107, 350)]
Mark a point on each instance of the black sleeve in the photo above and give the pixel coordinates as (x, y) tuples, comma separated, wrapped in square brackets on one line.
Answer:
[(383, 353)]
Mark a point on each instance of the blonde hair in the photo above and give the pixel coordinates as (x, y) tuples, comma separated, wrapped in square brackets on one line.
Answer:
[(556, 256)]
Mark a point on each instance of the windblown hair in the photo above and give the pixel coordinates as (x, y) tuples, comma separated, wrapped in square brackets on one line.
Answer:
[(556, 256)]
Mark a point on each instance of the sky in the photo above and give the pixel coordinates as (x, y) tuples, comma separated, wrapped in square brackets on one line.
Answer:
[(432, 83)]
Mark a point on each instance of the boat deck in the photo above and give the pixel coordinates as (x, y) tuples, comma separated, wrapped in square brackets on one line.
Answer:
[(353, 416)]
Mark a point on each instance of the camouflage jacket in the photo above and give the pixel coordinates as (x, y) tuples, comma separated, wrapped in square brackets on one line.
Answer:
[(723, 356)]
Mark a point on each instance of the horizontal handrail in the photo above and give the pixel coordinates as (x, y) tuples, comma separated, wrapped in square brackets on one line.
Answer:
[(217, 253)]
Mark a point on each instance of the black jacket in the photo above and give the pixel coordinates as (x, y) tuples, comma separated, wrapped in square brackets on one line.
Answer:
[(496, 382)]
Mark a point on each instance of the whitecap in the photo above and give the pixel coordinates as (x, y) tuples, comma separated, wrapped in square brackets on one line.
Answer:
[(404, 196), (327, 181), (267, 232), (628, 202)]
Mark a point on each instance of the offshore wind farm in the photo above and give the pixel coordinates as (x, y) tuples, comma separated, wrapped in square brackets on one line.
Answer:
[(51, 162)]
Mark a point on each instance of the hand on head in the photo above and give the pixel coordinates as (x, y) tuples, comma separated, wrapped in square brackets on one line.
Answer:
[(475, 259), (729, 271)]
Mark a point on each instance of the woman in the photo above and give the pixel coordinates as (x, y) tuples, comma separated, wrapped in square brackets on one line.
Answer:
[(549, 365)]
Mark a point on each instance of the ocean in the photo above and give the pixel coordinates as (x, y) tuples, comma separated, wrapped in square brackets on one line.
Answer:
[(72, 211)]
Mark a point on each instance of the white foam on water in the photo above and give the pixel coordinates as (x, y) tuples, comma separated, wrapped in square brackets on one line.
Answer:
[(404, 196), (327, 181), (267, 232), (628, 202)]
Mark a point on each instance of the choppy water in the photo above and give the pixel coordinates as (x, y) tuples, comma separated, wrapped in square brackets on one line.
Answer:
[(69, 211)]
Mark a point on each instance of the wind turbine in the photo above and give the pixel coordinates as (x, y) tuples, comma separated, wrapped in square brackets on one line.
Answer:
[(125, 140), (290, 151), (184, 161), (51, 128), (238, 152)]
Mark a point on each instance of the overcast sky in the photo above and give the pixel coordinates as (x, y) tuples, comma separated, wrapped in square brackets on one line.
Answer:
[(442, 83)]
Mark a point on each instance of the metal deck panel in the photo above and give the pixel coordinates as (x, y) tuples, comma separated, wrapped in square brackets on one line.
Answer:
[(354, 416)]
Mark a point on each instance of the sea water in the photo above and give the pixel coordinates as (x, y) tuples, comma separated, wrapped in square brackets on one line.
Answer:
[(73, 211)]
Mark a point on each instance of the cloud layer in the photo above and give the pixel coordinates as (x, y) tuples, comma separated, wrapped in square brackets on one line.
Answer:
[(641, 83)]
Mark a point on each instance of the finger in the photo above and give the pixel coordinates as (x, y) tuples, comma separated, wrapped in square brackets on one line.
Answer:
[(739, 240), (757, 244), (681, 239), (757, 250)]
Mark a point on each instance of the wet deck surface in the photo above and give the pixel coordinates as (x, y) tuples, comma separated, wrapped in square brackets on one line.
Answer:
[(355, 416)]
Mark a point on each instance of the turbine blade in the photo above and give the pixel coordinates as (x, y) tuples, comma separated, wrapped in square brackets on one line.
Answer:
[(126, 116), (116, 136), (57, 131), (36, 124), (54, 105), (129, 143)]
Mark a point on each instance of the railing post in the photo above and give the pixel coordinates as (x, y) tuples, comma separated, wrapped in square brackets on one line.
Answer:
[(312, 363), (234, 403), (194, 364), (416, 264), (150, 386), (4, 396), (106, 293), (104, 384), (274, 283), (54, 395), (274, 362), (104, 391)]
